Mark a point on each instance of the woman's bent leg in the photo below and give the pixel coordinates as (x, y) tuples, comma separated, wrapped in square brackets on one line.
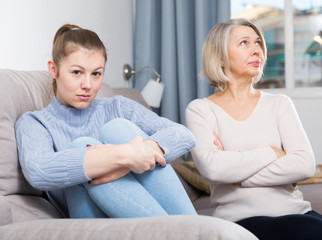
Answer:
[(125, 198), (162, 183), (80, 205), (119, 131)]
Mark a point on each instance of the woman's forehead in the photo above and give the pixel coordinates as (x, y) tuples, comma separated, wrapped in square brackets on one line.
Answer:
[(243, 32)]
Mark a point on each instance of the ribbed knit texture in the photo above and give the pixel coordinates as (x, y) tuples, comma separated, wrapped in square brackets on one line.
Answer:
[(43, 138), (246, 178)]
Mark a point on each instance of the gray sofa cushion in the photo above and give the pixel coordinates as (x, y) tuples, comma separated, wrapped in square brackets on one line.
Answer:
[(26, 208), (160, 228), (18, 95), (5, 211)]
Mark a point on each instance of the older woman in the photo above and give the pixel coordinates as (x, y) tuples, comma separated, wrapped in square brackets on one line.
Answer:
[(251, 145)]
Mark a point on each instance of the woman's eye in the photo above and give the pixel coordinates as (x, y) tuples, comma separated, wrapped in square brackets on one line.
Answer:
[(76, 72), (243, 43), (258, 42), (97, 74)]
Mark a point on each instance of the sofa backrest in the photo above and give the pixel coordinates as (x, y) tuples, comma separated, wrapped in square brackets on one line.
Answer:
[(23, 91)]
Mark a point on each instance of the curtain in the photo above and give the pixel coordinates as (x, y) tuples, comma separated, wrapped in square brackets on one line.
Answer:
[(169, 35)]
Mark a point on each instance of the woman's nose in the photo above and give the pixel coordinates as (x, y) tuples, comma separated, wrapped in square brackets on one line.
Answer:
[(86, 83), (256, 49)]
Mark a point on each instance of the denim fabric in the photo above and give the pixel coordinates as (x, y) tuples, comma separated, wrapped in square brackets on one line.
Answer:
[(153, 193)]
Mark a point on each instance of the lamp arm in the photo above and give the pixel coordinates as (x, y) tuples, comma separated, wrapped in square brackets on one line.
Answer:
[(128, 72), (154, 71)]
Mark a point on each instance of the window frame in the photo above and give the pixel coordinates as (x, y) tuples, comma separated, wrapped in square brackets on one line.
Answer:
[(290, 89)]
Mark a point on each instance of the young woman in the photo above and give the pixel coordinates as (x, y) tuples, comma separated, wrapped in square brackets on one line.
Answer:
[(108, 157), (251, 145)]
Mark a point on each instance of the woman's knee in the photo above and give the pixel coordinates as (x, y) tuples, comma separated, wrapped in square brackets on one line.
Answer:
[(119, 131)]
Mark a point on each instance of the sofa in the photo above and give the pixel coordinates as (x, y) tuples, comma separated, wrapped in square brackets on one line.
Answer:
[(26, 214)]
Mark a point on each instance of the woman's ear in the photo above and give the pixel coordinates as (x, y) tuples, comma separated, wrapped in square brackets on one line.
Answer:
[(52, 69)]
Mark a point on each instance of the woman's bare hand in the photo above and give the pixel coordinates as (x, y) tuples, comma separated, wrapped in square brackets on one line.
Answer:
[(154, 145), (143, 156), (108, 162), (279, 152), (217, 142)]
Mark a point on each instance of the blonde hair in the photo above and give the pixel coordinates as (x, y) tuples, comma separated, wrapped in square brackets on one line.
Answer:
[(70, 38), (215, 52)]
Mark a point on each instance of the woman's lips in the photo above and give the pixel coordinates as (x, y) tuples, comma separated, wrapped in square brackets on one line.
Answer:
[(84, 97), (255, 63)]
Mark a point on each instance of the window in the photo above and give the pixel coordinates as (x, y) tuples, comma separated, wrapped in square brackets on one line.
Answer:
[(293, 33)]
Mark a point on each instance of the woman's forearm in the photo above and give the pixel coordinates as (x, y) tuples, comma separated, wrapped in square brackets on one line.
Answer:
[(136, 156), (291, 168)]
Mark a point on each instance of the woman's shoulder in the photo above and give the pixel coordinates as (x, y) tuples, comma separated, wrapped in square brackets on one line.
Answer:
[(30, 118), (197, 103), (113, 99), (107, 101), (117, 101), (201, 106), (276, 97)]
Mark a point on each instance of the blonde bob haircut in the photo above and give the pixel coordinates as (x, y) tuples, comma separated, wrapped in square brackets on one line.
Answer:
[(215, 53)]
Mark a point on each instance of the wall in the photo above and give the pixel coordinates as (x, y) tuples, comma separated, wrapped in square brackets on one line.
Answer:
[(28, 27), (310, 112)]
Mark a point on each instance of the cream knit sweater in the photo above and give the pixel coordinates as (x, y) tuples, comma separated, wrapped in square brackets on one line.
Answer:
[(246, 178)]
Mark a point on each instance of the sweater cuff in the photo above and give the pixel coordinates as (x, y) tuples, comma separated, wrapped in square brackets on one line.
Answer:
[(174, 143), (75, 167)]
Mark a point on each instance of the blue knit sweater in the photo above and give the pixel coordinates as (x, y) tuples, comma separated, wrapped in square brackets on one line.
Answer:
[(43, 138)]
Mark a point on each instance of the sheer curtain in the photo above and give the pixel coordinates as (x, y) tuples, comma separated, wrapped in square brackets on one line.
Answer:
[(169, 36)]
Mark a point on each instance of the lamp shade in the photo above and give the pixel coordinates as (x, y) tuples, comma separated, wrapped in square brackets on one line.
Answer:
[(152, 93)]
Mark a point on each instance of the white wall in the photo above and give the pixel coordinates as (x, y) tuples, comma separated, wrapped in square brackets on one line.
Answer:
[(310, 112), (27, 28)]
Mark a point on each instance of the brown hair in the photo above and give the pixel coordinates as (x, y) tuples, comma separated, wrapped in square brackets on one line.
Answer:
[(70, 38), (215, 52)]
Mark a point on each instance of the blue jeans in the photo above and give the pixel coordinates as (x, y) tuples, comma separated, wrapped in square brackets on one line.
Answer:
[(152, 193)]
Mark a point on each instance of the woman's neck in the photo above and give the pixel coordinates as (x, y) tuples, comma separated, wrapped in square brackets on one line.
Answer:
[(239, 92), (237, 101)]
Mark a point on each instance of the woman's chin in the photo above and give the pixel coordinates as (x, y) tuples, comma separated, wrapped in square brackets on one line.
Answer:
[(82, 105)]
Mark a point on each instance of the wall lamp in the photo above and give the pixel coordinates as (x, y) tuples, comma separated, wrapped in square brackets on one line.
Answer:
[(153, 90)]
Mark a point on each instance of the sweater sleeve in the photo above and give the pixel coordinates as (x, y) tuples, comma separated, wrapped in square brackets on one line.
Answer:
[(221, 166), (175, 139), (44, 168), (298, 164)]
